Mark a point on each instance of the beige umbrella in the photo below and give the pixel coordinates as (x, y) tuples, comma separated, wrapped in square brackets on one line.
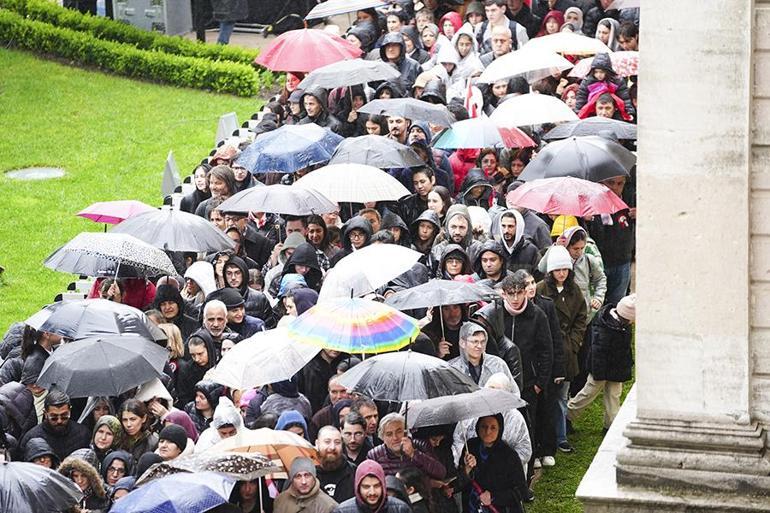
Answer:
[(568, 43), (532, 109), (535, 63)]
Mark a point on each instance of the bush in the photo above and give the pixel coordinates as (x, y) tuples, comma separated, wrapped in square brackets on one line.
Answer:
[(111, 30), (125, 59)]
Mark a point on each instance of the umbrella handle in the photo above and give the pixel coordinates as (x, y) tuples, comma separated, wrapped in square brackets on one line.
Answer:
[(261, 507)]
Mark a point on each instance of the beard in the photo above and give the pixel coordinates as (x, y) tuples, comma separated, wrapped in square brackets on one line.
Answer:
[(330, 459)]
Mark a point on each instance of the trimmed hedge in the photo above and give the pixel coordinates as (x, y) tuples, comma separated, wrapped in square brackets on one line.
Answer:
[(111, 30), (125, 59)]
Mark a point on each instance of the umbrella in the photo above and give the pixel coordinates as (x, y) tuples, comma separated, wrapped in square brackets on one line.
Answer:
[(481, 132), (279, 199), (94, 318), (178, 493), (566, 195), (334, 7), (113, 212), (348, 73), (625, 64), (405, 376), (568, 43), (354, 325), (535, 63), (367, 269), (108, 365), (241, 467), (280, 447), (357, 183), (289, 149), (409, 108), (532, 109), (93, 254), (592, 126), (377, 151), (26, 487), (175, 230), (266, 357), (438, 293), (304, 50), (624, 4), (454, 408), (590, 158)]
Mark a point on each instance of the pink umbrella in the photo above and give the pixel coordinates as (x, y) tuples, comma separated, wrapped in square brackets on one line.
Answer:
[(114, 212), (304, 50), (566, 195), (625, 64)]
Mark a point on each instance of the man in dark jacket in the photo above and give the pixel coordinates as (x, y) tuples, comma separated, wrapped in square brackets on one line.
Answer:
[(356, 444), (393, 51), (18, 404), (520, 12), (256, 303), (508, 229), (370, 493), (491, 265), (315, 101), (356, 234), (313, 379), (334, 473), (58, 429), (237, 320)]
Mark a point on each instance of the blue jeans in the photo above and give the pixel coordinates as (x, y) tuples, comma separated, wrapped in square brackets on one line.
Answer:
[(618, 280), (225, 31), (560, 417)]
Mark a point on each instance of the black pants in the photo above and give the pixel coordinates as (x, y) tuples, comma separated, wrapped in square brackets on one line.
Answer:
[(544, 443), (530, 415)]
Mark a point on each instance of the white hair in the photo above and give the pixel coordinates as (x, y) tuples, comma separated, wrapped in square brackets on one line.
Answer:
[(212, 305)]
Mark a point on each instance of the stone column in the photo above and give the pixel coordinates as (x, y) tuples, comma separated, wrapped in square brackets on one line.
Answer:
[(701, 401)]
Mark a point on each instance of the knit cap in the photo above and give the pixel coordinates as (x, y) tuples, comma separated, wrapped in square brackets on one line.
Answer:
[(175, 434), (627, 307), (558, 258)]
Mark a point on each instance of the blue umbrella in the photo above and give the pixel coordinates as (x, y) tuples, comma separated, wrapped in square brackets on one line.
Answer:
[(178, 493), (289, 149)]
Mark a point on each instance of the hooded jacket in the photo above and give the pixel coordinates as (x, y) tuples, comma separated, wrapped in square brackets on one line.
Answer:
[(468, 65), (490, 364), (408, 67), (185, 324), (190, 373), (202, 273), (225, 413), (315, 501), (366, 33), (418, 53), (353, 223), (287, 418), (18, 403), (434, 91), (522, 254), (475, 178), (496, 248), (305, 254), (468, 243), (602, 61), (454, 251), (257, 304), (304, 299), (212, 391), (610, 354), (498, 470), (95, 497), (324, 118), (38, 447), (394, 86), (391, 220), (117, 455), (358, 503), (431, 217), (462, 161)]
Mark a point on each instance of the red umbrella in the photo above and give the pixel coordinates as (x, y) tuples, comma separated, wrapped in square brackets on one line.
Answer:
[(305, 50), (113, 212), (566, 195)]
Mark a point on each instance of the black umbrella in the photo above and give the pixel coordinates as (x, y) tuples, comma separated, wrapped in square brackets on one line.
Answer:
[(439, 292), (26, 487), (454, 408), (241, 467), (590, 158), (348, 73), (405, 376), (592, 126), (108, 365), (377, 151), (175, 230), (94, 318), (409, 108)]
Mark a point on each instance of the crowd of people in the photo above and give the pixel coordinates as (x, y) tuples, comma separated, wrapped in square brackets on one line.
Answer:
[(558, 335)]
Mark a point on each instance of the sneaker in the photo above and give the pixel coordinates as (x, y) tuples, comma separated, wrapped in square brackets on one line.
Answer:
[(537, 463), (529, 495), (548, 461), (565, 447)]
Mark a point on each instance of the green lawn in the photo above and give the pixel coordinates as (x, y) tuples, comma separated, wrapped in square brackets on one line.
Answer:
[(110, 134)]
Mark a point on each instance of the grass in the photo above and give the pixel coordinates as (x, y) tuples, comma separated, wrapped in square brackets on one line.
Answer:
[(110, 134)]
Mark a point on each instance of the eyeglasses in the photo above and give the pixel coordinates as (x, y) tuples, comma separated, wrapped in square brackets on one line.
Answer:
[(477, 343), (354, 435), (55, 418), (356, 235), (116, 470)]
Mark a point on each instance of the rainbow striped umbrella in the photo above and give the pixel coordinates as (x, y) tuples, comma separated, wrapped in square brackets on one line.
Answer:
[(354, 325)]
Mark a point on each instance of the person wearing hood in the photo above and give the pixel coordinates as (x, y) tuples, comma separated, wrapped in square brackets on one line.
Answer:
[(203, 349), (459, 230), (462, 161), (40, 453), (515, 433), (491, 266), (393, 51), (304, 261), (169, 302), (491, 473), (107, 436), (602, 78), (115, 466), (180, 418), (302, 492), (123, 487), (476, 190), (606, 32), (315, 102), (419, 138), (286, 397), (454, 262), (237, 319), (295, 110), (509, 230), (199, 283), (397, 227), (435, 90), (574, 16), (396, 488), (281, 253), (413, 44), (424, 230), (362, 35), (356, 234), (89, 482), (227, 422), (334, 472), (388, 90), (296, 302), (237, 276), (371, 493), (474, 361), (468, 62), (288, 419), (201, 409), (450, 23)]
